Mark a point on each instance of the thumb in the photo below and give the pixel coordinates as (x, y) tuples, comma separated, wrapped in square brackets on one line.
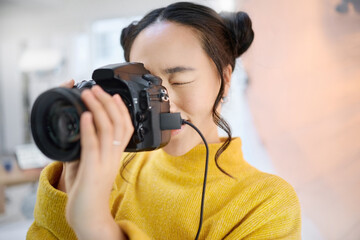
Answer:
[(68, 84)]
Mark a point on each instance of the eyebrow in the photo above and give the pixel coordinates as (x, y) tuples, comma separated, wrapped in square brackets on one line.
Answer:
[(178, 69)]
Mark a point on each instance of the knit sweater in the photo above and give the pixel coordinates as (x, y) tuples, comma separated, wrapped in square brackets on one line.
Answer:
[(161, 197)]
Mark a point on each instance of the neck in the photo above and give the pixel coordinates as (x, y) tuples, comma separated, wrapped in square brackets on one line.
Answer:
[(179, 146)]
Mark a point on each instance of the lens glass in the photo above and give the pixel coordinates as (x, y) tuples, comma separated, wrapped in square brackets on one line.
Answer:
[(63, 124)]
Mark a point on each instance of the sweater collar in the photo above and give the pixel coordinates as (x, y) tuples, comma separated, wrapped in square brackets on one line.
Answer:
[(231, 160)]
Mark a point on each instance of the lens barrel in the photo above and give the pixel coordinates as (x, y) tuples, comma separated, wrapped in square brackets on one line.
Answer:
[(55, 123)]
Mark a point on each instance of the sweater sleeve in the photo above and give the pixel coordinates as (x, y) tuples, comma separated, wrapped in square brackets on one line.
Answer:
[(49, 212), (274, 215)]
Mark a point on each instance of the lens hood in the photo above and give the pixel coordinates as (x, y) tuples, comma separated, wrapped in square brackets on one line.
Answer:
[(41, 122)]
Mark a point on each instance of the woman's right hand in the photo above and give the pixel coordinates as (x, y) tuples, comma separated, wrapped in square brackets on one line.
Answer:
[(70, 169)]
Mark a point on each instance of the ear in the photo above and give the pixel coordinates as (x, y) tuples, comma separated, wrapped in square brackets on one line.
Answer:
[(227, 72)]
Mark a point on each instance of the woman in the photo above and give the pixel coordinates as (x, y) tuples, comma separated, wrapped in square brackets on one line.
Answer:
[(157, 194)]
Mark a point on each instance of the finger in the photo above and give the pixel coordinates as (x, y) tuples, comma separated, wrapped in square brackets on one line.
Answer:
[(109, 105), (118, 114), (103, 124), (129, 127), (89, 141), (68, 84), (117, 117)]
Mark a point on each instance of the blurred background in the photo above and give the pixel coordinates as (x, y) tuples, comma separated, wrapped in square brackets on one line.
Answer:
[(294, 100)]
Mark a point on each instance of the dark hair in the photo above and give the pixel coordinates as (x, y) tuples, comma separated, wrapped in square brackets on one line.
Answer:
[(224, 37)]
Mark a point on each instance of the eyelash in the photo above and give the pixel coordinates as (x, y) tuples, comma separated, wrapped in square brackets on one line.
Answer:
[(179, 84)]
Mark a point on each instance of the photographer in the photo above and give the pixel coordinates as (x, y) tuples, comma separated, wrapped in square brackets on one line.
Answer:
[(157, 194)]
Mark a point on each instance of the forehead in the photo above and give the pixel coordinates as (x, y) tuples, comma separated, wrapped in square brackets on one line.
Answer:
[(167, 43)]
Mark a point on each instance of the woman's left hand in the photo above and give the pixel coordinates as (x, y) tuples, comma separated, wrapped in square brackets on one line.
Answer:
[(105, 132)]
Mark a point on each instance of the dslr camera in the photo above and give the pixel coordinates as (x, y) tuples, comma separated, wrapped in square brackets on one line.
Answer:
[(55, 116)]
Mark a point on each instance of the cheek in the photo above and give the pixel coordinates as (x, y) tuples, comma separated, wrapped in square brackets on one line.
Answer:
[(196, 100)]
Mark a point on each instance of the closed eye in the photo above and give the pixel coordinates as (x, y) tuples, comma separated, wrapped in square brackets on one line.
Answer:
[(180, 83)]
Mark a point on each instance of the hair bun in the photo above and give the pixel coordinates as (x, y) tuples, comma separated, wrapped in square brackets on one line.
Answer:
[(240, 28)]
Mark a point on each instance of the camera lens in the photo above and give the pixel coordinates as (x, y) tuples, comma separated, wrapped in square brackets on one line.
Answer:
[(55, 123), (64, 124)]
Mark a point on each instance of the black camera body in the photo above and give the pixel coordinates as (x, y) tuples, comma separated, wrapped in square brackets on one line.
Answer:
[(55, 116)]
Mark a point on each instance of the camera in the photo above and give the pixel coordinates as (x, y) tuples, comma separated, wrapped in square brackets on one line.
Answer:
[(55, 116)]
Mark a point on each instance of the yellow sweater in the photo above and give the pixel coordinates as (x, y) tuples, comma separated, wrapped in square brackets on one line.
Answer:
[(163, 196)]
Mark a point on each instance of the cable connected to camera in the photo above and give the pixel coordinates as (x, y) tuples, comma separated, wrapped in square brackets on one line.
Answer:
[(205, 176)]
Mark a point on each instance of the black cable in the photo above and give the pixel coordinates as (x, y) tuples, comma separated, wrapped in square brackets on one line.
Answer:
[(205, 175)]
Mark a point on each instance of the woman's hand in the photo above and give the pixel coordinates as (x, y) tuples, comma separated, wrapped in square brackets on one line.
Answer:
[(105, 132)]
